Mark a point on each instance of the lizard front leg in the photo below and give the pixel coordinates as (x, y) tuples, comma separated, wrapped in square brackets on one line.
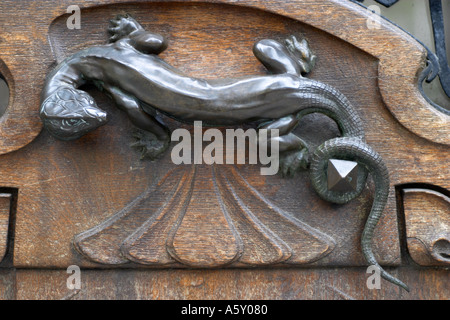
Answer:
[(296, 58), (293, 151), (126, 30), (153, 136)]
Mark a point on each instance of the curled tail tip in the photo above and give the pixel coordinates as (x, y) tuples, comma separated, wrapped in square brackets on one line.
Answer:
[(394, 280), (399, 283), (402, 285)]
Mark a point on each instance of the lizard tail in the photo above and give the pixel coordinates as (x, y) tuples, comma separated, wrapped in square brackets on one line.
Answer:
[(322, 98), (354, 149)]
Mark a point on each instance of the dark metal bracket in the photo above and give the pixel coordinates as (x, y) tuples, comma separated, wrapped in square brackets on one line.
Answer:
[(437, 19), (437, 64)]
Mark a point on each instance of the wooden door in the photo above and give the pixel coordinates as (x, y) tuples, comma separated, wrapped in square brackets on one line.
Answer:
[(152, 229)]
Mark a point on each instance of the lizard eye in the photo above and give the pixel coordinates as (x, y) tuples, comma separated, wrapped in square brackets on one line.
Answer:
[(73, 122)]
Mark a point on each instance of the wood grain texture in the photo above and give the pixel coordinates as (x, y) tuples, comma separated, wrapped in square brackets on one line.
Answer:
[(274, 284), (7, 284), (427, 216), (5, 206)]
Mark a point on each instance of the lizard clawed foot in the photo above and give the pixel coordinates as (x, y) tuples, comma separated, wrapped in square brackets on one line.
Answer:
[(293, 161), (121, 26), (149, 145), (302, 53)]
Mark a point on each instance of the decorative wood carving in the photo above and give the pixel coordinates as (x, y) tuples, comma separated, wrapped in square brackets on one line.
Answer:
[(99, 183), (147, 88), (5, 208), (427, 216), (203, 217), (95, 171)]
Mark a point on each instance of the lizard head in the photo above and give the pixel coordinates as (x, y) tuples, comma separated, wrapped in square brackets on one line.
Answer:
[(69, 113)]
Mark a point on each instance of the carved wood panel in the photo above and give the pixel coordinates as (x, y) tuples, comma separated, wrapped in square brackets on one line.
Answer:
[(234, 284), (95, 164), (94, 203), (427, 225)]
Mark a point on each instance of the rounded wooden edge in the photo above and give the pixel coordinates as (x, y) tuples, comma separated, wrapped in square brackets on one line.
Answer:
[(425, 212), (401, 58), (17, 129)]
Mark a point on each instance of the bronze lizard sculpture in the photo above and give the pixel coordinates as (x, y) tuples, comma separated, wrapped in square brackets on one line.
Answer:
[(143, 85)]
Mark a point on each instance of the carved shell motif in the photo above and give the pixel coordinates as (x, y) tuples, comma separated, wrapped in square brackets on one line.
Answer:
[(161, 226)]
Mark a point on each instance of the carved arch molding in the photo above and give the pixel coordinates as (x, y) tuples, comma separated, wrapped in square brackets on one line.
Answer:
[(94, 203)]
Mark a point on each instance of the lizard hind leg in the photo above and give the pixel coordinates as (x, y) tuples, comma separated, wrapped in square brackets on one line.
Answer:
[(152, 136), (292, 57), (293, 151)]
